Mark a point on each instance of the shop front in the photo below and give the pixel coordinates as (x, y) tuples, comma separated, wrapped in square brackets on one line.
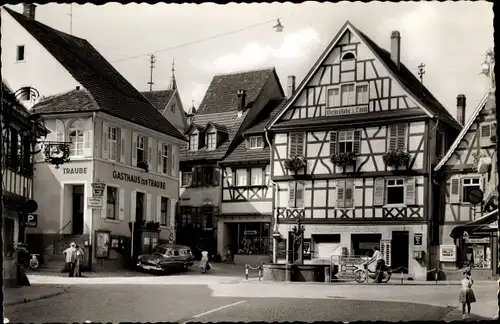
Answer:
[(404, 246)]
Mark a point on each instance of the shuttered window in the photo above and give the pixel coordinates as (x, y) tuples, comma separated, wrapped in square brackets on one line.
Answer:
[(397, 137), (296, 194), (487, 131), (386, 251), (296, 144), (345, 193)]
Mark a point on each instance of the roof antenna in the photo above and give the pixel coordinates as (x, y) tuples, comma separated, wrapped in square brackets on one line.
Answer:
[(152, 61), (421, 73), (173, 83), (70, 19)]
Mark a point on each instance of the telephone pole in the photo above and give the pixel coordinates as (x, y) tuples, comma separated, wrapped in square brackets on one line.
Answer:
[(152, 61), (421, 73)]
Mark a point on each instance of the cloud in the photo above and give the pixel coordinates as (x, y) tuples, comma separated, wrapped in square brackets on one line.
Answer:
[(294, 48), (197, 93)]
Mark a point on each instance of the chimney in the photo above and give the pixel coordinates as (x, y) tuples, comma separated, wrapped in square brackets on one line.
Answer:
[(461, 109), (290, 86), (241, 99), (396, 47), (29, 10)]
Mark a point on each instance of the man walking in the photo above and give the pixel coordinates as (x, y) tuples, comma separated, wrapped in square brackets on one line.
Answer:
[(79, 261), (380, 264), (70, 254)]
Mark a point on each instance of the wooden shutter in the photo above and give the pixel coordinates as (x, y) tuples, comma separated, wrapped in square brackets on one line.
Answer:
[(400, 145), (291, 194), (333, 142), (455, 190), (105, 140), (60, 131), (341, 193), (486, 131), (104, 203), (134, 149), (88, 137), (386, 250), (299, 194), (378, 191), (160, 157), (393, 135), (293, 145), (169, 159), (121, 204), (174, 172), (349, 194), (300, 144), (123, 145), (172, 215), (149, 201), (133, 203), (357, 142), (410, 198), (158, 209), (216, 176), (149, 151)]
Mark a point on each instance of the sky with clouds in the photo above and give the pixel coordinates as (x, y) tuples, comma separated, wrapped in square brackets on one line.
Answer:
[(450, 38)]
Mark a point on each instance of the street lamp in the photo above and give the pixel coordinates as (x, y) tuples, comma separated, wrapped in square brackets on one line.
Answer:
[(278, 27)]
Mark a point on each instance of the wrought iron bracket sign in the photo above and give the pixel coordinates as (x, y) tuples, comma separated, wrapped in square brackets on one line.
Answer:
[(57, 153)]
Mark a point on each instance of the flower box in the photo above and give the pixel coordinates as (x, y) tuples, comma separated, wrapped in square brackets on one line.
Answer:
[(143, 165), (343, 159), (295, 163), (396, 158)]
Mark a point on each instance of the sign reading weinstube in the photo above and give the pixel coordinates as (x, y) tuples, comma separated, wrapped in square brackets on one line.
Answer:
[(94, 203), (346, 110)]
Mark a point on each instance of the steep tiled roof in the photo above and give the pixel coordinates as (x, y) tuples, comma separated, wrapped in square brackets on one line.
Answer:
[(72, 101), (221, 95), (110, 90), (218, 127), (159, 99), (230, 120), (412, 83), (244, 154)]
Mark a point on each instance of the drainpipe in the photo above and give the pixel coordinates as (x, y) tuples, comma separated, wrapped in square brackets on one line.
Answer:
[(431, 182), (91, 223), (278, 201)]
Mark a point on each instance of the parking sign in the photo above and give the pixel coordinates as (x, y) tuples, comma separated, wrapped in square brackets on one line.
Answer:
[(31, 220)]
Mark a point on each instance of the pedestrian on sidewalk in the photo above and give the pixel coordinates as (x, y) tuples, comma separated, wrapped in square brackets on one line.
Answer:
[(70, 254), (379, 265), (466, 294), (78, 261)]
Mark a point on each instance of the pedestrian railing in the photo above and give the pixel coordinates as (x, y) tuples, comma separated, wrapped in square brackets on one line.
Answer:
[(247, 267)]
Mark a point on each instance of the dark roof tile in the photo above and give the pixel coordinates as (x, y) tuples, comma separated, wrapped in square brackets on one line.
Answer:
[(272, 108), (159, 99), (72, 101), (111, 91)]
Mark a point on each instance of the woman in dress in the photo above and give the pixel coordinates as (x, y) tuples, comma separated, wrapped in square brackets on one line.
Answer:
[(466, 294)]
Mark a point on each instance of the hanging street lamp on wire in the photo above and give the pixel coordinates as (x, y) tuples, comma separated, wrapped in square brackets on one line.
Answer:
[(278, 27)]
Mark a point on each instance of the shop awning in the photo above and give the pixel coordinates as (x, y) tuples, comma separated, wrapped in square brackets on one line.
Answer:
[(488, 220)]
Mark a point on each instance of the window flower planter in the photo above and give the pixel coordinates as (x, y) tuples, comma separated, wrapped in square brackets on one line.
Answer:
[(143, 165), (396, 158), (150, 225), (295, 164), (493, 139), (343, 159)]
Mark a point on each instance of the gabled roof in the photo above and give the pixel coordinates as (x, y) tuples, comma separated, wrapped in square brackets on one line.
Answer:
[(218, 127), (272, 108), (221, 95), (462, 133), (113, 94), (403, 75), (159, 99), (193, 125)]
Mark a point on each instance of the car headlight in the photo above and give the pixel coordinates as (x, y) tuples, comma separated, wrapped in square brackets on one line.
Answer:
[(139, 258)]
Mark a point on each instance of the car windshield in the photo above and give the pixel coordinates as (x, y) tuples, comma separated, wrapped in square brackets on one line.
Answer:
[(160, 250)]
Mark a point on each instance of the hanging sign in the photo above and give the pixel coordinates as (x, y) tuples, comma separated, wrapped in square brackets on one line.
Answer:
[(98, 189), (94, 203), (31, 220), (417, 239)]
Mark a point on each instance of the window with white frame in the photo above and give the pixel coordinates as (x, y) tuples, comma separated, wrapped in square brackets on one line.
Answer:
[(193, 142), (256, 177), (164, 219), (397, 137), (395, 191), (256, 142), (187, 178), (333, 99), (113, 142), (211, 142), (469, 183), (361, 94), (241, 177), (347, 92), (346, 141), (141, 156), (111, 202), (20, 53), (164, 159), (76, 138)]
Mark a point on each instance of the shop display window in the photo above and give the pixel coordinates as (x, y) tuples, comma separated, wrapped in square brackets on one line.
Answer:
[(479, 255), (253, 238)]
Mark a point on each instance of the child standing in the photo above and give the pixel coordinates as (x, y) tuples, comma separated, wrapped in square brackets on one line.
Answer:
[(466, 294)]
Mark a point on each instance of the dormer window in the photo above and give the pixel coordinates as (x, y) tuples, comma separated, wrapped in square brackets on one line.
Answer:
[(193, 142), (211, 141), (256, 142)]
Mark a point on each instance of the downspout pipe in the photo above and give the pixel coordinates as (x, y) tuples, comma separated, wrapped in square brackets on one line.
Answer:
[(91, 225), (276, 190)]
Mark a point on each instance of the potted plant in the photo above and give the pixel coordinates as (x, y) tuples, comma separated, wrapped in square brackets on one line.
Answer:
[(396, 158), (143, 165), (153, 225), (493, 139), (295, 163), (343, 159)]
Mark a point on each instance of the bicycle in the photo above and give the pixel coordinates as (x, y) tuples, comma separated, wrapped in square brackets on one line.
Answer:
[(360, 274)]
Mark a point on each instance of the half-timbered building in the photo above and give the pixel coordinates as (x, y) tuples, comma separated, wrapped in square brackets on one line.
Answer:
[(468, 194), (352, 155), (231, 104)]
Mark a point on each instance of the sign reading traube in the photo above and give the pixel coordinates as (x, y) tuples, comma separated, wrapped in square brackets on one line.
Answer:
[(346, 111), (136, 179)]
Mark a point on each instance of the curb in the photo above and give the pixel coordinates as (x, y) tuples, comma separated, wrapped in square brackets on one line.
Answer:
[(26, 300)]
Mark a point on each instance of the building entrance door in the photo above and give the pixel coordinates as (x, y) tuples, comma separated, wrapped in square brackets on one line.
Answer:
[(77, 210), (400, 245)]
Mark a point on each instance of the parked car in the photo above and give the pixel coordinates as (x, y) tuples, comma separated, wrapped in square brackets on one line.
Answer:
[(166, 258)]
